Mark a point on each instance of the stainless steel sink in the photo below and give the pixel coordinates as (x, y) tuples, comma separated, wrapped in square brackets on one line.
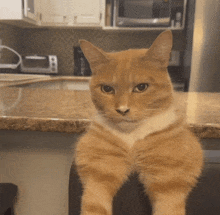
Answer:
[(8, 79), (44, 81), (56, 84)]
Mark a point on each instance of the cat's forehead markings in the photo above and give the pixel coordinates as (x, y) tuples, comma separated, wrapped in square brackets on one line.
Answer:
[(123, 62), (128, 63), (130, 78), (114, 79)]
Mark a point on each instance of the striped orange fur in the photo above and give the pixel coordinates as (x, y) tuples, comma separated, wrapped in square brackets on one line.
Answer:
[(137, 128)]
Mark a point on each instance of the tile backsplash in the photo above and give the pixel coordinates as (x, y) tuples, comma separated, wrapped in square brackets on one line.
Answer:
[(10, 36), (60, 41)]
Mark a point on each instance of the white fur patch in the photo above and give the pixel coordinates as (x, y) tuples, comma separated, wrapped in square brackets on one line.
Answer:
[(149, 126)]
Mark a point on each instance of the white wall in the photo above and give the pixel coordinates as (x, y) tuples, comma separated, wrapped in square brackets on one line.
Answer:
[(39, 164)]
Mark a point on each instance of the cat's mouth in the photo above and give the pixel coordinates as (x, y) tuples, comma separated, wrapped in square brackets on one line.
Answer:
[(120, 119), (122, 123), (130, 120), (127, 125), (124, 119)]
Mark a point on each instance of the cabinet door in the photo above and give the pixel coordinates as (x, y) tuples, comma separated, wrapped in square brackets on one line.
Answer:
[(19, 10), (54, 11), (85, 11), (45, 11), (29, 9), (10, 9)]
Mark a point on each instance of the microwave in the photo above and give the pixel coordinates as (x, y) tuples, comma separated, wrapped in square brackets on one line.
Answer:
[(148, 13)]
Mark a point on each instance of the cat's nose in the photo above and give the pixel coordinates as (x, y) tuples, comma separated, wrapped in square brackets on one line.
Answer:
[(123, 110)]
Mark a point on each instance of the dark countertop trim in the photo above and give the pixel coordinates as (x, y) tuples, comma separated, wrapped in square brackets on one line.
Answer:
[(206, 131), (43, 124), (80, 125)]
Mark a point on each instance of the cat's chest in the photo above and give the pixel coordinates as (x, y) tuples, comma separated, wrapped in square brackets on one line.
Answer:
[(152, 125), (132, 137)]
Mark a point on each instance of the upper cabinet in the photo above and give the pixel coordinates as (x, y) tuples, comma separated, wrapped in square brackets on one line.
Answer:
[(85, 12), (71, 13), (19, 10), (54, 12), (108, 14)]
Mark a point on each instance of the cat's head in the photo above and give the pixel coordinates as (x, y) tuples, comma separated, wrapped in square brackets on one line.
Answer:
[(131, 85)]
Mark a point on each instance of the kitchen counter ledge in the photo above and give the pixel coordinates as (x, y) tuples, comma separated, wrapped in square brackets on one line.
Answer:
[(70, 111), (7, 80)]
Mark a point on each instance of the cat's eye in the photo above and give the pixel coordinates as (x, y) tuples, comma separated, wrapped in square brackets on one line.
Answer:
[(140, 88), (107, 89)]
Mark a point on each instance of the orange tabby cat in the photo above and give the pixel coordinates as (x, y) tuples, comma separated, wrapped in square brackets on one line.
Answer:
[(137, 128)]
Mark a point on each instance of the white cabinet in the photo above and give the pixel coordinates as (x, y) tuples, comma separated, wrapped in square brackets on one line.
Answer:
[(54, 12), (71, 12), (14, 10), (11, 9), (85, 11)]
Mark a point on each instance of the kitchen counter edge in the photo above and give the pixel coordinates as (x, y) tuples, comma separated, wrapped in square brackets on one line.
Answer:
[(80, 125)]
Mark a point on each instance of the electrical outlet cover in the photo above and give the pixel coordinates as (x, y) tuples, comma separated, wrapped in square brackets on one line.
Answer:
[(0, 49)]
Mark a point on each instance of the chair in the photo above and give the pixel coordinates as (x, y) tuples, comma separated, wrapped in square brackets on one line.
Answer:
[(131, 199), (8, 194)]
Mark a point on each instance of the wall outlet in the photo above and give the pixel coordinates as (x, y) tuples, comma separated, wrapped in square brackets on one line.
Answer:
[(0, 50)]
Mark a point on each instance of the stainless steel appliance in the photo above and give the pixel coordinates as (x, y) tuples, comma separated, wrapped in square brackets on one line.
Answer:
[(205, 63), (47, 64), (81, 65), (149, 13)]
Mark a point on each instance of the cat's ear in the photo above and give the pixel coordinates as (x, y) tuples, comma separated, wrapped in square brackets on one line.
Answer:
[(161, 48), (94, 55)]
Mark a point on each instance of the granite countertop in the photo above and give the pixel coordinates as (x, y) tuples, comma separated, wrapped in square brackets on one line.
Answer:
[(64, 110)]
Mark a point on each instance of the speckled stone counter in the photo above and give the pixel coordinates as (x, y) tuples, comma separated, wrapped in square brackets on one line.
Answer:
[(62, 110)]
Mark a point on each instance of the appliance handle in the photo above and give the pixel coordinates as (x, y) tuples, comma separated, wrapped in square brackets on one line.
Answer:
[(25, 8), (10, 66), (130, 21), (35, 57)]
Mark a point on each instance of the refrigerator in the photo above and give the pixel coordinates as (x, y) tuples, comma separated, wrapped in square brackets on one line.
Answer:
[(205, 59)]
